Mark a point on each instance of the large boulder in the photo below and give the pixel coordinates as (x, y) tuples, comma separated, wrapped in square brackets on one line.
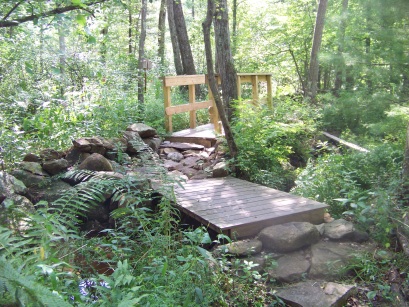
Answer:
[(329, 259), (96, 162), (29, 179), (341, 230), (49, 191), (49, 154), (14, 219), (143, 130), (90, 145), (220, 170), (316, 294), (135, 142), (289, 237), (292, 267), (10, 185), (54, 167)]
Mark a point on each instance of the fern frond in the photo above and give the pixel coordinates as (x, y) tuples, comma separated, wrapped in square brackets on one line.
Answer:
[(26, 291)]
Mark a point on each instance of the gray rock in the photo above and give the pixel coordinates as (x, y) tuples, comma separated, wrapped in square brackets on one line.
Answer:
[(91, 145), (153, 143), (189, 172), (75, 156), (241, 248), (134, 141), (341, 230), (14, 219), (10, 185), (50, 154), (291, 267), (96, 162), (329, 259), (170, 165), (30, 157), (220, 170), (175, 156), (182, 146), (316, 294), (193, 162), (166, 150), (289, 237), (143, 130), (54, 167), (29, 179), (34, 168), (49, 191)]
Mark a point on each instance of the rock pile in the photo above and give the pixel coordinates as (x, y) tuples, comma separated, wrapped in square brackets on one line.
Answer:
[(308, 256)]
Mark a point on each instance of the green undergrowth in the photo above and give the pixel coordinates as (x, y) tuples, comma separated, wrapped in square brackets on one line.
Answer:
[(145, 260), (273, 142)]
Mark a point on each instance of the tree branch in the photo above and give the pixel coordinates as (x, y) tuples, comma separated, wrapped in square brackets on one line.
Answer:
[(60, 10), (12, 10)]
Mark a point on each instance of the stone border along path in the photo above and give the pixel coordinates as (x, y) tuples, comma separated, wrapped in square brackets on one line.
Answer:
[(307, 257)]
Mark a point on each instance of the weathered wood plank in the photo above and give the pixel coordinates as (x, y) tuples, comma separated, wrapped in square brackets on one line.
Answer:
[(194, 106), (345, 143), (184, 80), (231, 205)]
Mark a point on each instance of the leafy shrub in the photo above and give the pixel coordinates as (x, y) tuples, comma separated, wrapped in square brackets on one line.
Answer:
[(269, 140), (360, 185)]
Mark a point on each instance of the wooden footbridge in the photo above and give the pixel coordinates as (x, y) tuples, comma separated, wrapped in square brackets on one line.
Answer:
[(235, 207), (241, 209)]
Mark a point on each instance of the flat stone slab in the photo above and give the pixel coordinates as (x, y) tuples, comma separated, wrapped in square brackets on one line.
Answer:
[(182, 146), (291, 267), (316, 294)]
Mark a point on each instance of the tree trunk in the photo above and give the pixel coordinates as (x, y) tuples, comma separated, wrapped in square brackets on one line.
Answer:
[(161, 36), (234, 49), (62, 55), (340, 66), (183, 39), (129, 29), (316, 45), (212, 79), (225, 63), (174, 38), (141, 55), (405, 172)]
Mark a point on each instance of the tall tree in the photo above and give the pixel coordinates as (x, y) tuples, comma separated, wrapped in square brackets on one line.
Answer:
[(226, 70), (183, 39), (174, 39), (162, 31), (141, 54), (206, 25), (340, 65), (312, 85)]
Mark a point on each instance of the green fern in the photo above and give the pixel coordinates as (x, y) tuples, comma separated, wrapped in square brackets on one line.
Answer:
[(23, 290)]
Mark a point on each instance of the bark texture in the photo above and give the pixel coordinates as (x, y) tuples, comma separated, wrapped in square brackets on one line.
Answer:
[(225, 62), (183, 39), (161, 31), (212, 78), (141, 54), (316, 45), (174, 38)]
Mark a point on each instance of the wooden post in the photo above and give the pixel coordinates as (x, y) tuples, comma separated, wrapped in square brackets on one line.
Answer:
[(254, 85), (168, 118), (213, 112), (238, 87), (269, 92), (192, 113)]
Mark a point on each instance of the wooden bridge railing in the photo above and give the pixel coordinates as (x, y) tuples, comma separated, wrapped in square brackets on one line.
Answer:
[(193, 106)]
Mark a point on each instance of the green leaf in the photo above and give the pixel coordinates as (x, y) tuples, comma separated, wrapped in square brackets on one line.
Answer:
[(91, 39), (81, 20)]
